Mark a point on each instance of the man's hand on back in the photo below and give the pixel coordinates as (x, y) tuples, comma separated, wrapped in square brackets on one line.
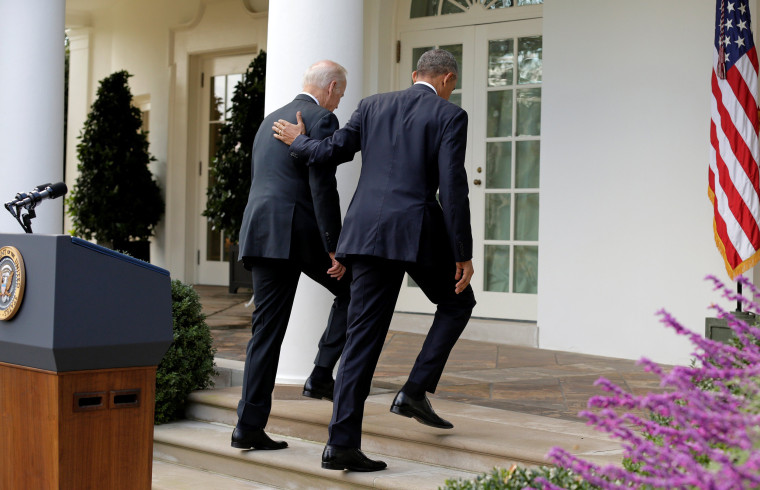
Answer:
[(288, 132)]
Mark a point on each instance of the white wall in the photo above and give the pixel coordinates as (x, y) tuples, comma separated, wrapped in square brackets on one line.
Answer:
[(626, 224)]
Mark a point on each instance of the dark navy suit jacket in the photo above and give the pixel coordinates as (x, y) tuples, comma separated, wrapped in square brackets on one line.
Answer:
[(413, 144), (292, 211)]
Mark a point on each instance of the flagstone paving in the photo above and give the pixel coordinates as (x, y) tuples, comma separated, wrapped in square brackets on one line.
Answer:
[(521, 379)]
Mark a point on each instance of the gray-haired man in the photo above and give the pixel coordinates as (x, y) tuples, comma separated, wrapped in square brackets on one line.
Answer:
[(291, 225)]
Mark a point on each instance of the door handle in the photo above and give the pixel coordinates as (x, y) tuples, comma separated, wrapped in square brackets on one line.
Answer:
[(477, 182)]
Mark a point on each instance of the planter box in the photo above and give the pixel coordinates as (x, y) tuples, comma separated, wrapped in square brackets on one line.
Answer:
[(718, 329)]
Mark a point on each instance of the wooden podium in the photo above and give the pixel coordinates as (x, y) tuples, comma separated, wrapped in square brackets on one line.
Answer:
[(78, 365)]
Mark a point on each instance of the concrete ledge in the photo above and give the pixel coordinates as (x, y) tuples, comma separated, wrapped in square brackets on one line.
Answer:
[(524, 334), (169, 476), (207, 446), (230, 373)]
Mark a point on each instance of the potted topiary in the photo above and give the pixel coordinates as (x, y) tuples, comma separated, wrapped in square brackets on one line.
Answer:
[(115, 199), (230, 171)]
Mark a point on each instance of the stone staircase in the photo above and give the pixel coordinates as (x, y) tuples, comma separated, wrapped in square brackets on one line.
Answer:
[(196, 453)]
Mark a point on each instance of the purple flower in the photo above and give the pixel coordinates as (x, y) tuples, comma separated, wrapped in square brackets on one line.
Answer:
[(702, 431)]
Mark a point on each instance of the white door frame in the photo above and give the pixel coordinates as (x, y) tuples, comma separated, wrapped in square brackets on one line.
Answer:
[(210, 272), (474, 39)]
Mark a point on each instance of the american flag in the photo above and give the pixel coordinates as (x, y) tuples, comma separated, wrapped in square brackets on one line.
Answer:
[(734, 177)]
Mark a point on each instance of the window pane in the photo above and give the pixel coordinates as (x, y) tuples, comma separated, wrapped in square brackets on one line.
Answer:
[(416, 53), (527, 164), (423, 8), (526, 270), (526, 217), (456, 99), (213, 243), (498, 211), (216, 111), (530, 59), (453, 6), (497, 268), (456, 50), (498, 4), (529, 2), (499, 113), (529, 111), (214, 140), (232, 81), (499, 165), (500, 62)]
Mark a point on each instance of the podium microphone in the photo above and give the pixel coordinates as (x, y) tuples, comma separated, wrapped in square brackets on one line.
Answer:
[(44, 191), (29, 200)]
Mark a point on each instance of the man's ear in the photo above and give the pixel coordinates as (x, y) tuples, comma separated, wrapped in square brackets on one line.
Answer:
[(414, 76), (331, 87)]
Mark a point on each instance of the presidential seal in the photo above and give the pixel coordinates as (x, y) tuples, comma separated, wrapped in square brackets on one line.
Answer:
[(12, 281)]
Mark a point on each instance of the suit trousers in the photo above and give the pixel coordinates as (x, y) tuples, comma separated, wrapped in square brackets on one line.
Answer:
[(274, 288), (375, 287)]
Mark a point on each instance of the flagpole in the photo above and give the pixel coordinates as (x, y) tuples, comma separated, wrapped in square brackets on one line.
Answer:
[(738, 301)]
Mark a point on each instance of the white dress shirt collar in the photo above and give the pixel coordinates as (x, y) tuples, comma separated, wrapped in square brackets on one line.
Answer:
[(425, 83), (307, 93)]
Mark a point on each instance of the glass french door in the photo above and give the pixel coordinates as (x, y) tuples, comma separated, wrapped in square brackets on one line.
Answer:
[(500, 88), (220, 76)]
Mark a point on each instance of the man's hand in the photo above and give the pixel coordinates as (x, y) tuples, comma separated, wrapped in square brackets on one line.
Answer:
[(287, 132), (463, 275), (337, 270)]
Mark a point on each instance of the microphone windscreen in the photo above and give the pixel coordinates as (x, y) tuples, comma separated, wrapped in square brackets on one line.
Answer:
[(58, 189)]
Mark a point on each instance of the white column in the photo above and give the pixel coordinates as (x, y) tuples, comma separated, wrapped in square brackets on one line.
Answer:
[(31, 98), (330, 29), (79, 102)]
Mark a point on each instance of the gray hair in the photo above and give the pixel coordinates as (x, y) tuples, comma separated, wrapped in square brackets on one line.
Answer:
[(321, 73), (437, 62)]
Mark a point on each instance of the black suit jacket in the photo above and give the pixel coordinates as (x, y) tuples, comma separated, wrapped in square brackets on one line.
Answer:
[(292, 211), (413, 144)]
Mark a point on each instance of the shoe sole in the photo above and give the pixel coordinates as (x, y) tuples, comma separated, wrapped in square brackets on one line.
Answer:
[(316, 396), (341, 467), (398, 411), (238, 445)]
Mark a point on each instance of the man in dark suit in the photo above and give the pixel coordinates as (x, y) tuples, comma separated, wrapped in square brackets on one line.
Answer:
[(291, 225), (413, 144)]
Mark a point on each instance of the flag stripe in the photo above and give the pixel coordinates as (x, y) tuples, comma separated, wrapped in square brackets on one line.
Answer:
[(744, 227), (744, 97), (728, 249), (726, 106)]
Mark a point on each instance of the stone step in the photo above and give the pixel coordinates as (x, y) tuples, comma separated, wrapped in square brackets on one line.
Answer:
[(170, 476), (205, 447), (482, 437)]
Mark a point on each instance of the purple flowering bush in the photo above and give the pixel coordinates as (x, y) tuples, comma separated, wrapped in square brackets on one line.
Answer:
[(701, 432)]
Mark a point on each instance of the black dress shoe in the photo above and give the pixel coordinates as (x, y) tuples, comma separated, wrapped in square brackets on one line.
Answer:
[(352, 459), (419, 410), (318, 389), (255, 439)]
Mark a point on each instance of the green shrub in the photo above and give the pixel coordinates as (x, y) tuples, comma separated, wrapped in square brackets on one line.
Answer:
[(517, 478), (189, 363), (115, 198)]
